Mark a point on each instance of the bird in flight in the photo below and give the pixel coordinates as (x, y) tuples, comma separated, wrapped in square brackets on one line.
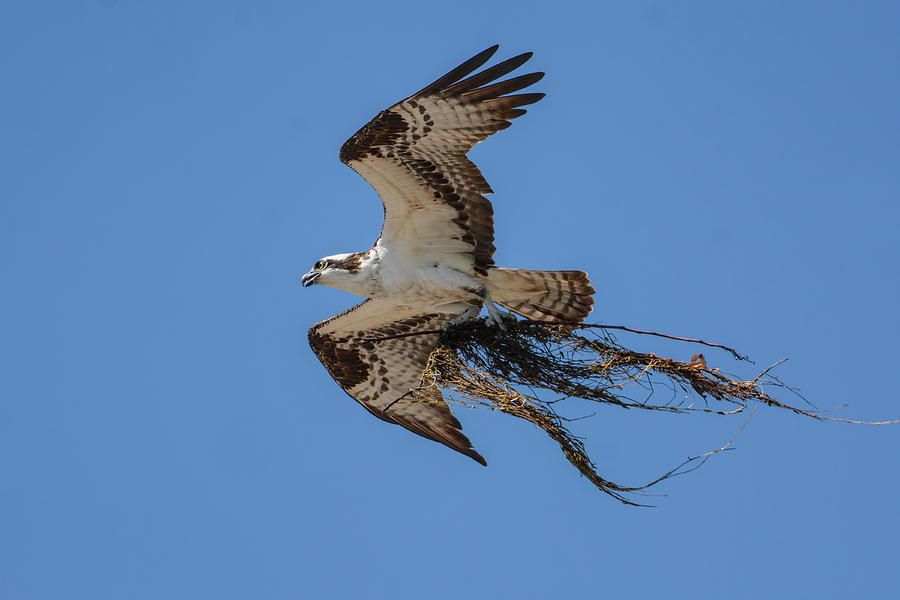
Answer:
[(432, 266)]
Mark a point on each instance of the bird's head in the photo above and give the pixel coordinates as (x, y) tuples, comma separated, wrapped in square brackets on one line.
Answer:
[(338, 271)]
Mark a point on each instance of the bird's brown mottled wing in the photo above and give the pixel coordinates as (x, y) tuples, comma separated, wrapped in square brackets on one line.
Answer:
[(385, 375), (414, 155)]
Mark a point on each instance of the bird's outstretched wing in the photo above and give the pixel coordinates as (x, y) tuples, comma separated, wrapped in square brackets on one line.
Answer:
[(414, 155), (368, 352)]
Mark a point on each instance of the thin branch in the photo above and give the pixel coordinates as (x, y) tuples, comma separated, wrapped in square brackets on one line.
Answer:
[(667, 336)]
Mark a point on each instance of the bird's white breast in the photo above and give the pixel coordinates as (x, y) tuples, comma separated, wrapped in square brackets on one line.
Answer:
[(418, 279)]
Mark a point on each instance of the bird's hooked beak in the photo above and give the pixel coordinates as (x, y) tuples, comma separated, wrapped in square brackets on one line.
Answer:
[(310, 278)]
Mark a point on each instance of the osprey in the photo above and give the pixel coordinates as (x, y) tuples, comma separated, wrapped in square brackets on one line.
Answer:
[(432, 265)]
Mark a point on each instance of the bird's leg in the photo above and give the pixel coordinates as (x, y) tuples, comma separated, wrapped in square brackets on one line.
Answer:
[(496, 316), (468, 315)]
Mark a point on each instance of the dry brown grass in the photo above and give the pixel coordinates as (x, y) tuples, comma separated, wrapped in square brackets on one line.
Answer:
[(526, 369)]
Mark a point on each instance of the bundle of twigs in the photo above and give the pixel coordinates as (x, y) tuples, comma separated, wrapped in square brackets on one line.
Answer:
[(502, 370)]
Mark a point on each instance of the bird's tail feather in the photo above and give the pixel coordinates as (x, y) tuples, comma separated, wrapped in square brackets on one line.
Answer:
[(542, 295)]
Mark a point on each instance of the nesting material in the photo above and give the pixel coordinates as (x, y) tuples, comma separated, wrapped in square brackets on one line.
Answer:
[(526, 369)]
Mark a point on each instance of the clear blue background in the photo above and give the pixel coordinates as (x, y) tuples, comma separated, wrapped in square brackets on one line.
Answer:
[(723, 170)]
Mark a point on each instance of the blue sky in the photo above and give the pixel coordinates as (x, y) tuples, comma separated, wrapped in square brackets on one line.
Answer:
[(723, 170)]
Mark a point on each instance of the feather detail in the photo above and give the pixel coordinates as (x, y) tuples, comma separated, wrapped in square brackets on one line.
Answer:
[(385, 375), (414, 155)]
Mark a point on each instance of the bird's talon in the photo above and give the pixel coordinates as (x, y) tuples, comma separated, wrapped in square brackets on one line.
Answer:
[(493, 321)]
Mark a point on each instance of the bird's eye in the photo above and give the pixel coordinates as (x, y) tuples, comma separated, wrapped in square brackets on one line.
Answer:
[(319, 265)]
